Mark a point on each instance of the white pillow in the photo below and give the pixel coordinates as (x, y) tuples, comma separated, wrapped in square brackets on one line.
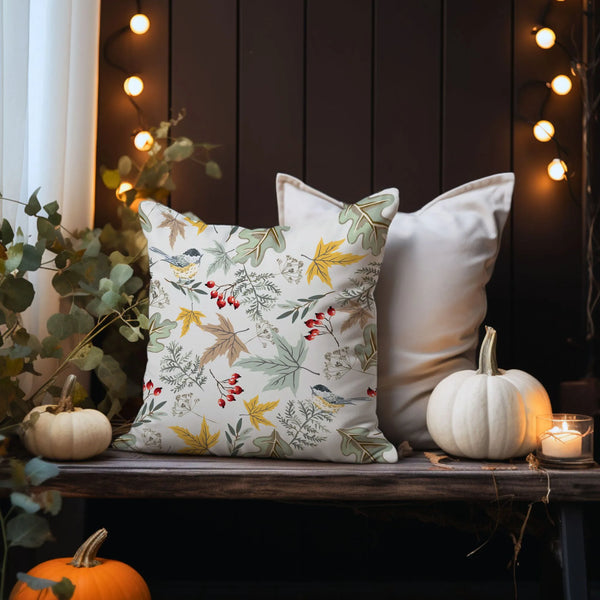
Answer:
[(430, 297), (263, 342)]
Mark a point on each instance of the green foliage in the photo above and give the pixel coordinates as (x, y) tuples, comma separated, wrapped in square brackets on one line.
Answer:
[(101, 275), (24, 524)]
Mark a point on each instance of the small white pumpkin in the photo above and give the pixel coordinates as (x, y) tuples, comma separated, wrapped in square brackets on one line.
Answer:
[(489, 413), (63, 432)]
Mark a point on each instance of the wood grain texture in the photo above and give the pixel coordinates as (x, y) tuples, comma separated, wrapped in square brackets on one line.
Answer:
[(117, 474)]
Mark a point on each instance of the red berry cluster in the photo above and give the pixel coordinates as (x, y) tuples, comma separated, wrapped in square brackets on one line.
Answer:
[(149, 387), (320, 324), (220, 296), (230, 393), (371, 392)]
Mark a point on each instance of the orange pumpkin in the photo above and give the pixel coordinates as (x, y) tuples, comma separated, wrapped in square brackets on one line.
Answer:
[(92, 577)]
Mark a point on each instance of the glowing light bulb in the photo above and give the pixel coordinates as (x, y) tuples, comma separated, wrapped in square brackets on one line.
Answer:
[(561, 85), (124, 186), (557, 169), (139, 24), (133, 85), (143, 141), (545, 38), (543, 131)]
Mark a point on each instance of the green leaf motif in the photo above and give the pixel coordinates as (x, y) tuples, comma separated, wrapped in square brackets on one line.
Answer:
[(368, 221), (62, 590), (367, 352), (29, 531), (159, 330), (271, 446), (258, 241), (283, 369), (357, 442)]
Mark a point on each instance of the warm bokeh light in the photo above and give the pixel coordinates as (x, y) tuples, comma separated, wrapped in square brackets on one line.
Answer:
[(139, 24), (545, 38), (543, 131), (133, 85), (143, 141), (557, 169), (561, 85), (120, 191)]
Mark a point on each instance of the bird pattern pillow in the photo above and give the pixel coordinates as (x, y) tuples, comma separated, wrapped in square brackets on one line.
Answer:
[(263, 342)]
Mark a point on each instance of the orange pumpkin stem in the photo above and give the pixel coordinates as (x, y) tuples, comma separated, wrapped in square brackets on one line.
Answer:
[(488, 365), (86, 553)]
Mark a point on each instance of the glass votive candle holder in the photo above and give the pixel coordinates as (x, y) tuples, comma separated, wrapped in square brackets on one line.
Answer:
[(565, 440)]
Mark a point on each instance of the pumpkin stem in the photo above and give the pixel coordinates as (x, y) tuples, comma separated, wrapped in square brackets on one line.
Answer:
[(65, 404), (86, 553), (488, 364)]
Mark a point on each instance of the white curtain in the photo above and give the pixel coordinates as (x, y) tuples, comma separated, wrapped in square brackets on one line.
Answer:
[(48, 108)]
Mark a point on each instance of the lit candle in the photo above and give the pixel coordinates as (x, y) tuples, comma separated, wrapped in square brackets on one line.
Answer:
[(561, 442)]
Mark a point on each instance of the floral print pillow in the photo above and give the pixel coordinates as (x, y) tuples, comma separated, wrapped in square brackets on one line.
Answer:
[(263, 342)]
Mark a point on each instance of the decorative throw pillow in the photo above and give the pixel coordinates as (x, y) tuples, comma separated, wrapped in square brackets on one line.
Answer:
[(431, 296), (263, 341)]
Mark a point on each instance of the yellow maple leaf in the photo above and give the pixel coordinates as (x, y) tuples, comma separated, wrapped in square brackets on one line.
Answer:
[(198, 224), (325, 257), (187, 317), (256, 411), (197, 444)]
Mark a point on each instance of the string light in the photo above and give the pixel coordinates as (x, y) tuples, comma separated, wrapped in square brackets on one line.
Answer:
[(543, 131), (545, 38), (124, 187), (143, 141), (133, 85), (561, 85), (139, 23), (557, 169)]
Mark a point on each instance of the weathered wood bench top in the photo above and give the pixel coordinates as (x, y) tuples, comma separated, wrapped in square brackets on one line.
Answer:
[(117, 474)]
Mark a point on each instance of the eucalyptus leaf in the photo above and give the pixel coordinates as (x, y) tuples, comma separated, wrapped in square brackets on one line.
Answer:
[(33, 204), (49, 500), (32, 258), (88, 358), (51, 347), (120, 274), (179, 150), (35, 583), (111, 374), (38, 470), (29, 531), (6, 232), (64, 589), (24, 502), (130, 333), (213, 170), (16, 293), (15, 256), (51, 208), (124, 165), (46, 229)]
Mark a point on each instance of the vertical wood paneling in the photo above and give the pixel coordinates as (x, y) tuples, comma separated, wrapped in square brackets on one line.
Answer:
[(477, 123), (204, 82), (338, 97), (546, 220), (271, 107), (145, 55), (407, 99), (477, 91)]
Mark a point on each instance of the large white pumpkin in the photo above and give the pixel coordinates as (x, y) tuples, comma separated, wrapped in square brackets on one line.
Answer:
[(489, 413)]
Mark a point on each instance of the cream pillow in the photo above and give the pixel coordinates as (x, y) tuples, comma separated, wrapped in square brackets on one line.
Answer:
[(431, 296), (263, 342)]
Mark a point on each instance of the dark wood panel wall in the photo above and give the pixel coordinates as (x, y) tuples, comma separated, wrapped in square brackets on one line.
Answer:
[(357, 95)]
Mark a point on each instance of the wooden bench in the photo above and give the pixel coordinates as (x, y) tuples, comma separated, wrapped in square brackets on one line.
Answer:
[(117, 474)]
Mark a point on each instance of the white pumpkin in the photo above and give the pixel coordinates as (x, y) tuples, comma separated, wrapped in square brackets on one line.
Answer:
[(63, 432), (489, 413)]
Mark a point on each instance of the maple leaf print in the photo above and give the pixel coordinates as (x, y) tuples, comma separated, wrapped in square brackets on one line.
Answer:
[(358, 314), (197, 444), (258, 241), (187, 317), (176, 227), (227, 342), (369, 220), (326, 257), (197, 223), (256, 411)]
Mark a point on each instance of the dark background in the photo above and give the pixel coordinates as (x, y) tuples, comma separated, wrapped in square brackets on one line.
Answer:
[(354, 96)]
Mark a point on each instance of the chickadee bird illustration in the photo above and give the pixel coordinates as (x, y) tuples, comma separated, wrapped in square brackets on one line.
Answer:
[(327, 399), (184, 265)]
